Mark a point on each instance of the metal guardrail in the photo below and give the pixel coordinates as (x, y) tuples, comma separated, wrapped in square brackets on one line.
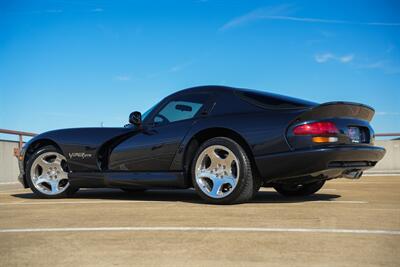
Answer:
[(388, 134), (20, 138), (22, 134)]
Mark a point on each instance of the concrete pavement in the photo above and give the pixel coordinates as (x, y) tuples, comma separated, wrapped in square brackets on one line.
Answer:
[(347, 223)]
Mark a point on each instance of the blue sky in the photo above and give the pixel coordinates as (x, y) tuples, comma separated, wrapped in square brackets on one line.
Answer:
[(86, 63)]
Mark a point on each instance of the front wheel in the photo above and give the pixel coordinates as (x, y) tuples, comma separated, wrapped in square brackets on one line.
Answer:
[(221, 172), (299, 189), (47, 174)]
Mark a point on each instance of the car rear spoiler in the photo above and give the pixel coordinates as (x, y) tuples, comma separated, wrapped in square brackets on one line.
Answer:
[(338, 109)]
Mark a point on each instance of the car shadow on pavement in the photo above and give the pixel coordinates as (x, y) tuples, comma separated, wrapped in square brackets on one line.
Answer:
[(273, 197), (187, 195)]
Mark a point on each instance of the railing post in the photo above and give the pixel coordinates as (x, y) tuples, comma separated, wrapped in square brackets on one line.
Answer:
[(20, 139), (20, 144)]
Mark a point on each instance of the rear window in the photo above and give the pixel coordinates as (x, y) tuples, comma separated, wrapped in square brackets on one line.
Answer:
[(273, 101)]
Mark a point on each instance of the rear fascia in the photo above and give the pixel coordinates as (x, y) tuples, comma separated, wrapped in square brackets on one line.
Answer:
[(324, 160), (319, 162), (305, 141), (342, 114)]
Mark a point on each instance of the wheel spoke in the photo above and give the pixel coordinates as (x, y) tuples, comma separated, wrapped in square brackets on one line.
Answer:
[(217, 187), (229, 180), (205, 174), (214, 171), (215, 160), (54, 185), (45, 165), (42, 179), (229, 159), (62, 175), (57, 160)]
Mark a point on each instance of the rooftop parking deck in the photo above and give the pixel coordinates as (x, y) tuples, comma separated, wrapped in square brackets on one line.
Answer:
[(347, 223)]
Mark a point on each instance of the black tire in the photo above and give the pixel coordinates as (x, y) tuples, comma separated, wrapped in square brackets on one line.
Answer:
[(67, 193), (257, 185), (295, 190), (245, 187)]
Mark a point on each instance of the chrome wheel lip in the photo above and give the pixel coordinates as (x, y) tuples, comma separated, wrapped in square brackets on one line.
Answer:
[(42, 171), (219, 172)]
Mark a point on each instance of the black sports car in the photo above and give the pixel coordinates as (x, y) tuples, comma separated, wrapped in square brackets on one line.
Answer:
[(225, 142)]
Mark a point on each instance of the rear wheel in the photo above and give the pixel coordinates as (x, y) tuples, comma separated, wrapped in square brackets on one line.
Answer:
[(299, 189), (221, 172), (47, 174)]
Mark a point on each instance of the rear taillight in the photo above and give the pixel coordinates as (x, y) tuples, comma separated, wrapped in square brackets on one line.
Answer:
[(316, 128)]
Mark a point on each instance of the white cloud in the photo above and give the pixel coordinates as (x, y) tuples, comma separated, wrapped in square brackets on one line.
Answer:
[(385, 65), (122, 77), (257, 14), (392, 70), (346, 58), (97, 10), (180, 67), (325, 57), (322, 58), (373, 65), (281, 13)]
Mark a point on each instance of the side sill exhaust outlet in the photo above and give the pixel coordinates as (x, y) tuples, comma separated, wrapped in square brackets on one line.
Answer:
[(353, 174)]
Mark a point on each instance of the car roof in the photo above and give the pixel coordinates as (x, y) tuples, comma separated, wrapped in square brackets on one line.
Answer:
[(239, 91), (207, 88)]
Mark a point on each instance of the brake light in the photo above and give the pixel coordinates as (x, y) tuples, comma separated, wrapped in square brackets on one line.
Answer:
[(316, 128)]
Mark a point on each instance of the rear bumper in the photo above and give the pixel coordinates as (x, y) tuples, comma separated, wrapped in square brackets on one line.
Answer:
[(327, 162)]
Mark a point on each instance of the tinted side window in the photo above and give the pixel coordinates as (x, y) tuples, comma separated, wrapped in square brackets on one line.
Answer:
[(179, 109), (273, 101)]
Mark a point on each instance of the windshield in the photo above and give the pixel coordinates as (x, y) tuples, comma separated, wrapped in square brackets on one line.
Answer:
[(144, 115)]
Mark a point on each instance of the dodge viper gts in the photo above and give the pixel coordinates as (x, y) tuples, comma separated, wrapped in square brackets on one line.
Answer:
[(224, 142)]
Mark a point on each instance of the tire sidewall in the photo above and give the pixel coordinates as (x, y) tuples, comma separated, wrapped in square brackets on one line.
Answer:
[(245, 174)]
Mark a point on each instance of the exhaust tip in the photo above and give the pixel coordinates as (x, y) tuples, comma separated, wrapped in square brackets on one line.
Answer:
[(353, 174)]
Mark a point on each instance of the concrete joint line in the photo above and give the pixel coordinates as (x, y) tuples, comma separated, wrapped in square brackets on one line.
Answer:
[(201, 229)]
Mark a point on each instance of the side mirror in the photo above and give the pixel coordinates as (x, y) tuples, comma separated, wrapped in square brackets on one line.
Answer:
[(135, 118)]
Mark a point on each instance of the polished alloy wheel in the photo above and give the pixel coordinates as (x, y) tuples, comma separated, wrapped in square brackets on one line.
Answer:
[(48, 173), (217, 171)]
